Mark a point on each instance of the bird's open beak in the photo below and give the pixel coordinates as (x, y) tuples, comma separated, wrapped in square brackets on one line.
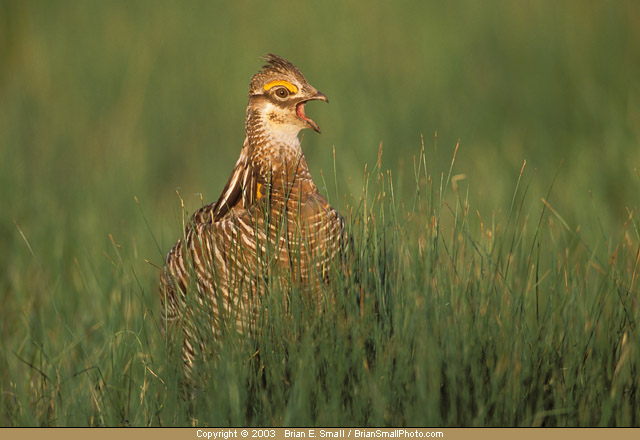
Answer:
[(319, 96)]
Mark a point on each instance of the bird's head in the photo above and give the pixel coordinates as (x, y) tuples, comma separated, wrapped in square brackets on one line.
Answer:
[(279, 93)]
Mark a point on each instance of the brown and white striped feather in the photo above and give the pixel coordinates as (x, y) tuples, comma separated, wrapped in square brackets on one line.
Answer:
[(225, 260)]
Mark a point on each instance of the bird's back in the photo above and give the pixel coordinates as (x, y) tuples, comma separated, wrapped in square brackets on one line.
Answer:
[(226, 266)]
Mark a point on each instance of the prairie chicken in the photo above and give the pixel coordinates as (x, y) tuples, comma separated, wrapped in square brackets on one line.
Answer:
[(270, 220)]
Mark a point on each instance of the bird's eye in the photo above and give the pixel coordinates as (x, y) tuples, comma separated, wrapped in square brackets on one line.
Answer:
[(282, 92)]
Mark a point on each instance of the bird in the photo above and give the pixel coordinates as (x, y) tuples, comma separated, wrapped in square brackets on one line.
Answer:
[(269, 228)]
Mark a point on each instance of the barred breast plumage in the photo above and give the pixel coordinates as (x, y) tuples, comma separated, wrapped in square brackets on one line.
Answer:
[(270, 222)]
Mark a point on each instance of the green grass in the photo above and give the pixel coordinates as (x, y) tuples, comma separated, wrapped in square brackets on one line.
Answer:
[(508, 297)]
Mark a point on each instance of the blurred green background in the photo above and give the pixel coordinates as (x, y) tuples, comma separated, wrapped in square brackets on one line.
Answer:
[(103, 101)]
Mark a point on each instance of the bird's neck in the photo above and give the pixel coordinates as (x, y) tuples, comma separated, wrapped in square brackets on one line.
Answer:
[(276, 152)]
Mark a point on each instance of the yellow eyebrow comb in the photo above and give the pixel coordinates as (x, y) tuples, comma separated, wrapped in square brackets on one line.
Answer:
[(287, 84)]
